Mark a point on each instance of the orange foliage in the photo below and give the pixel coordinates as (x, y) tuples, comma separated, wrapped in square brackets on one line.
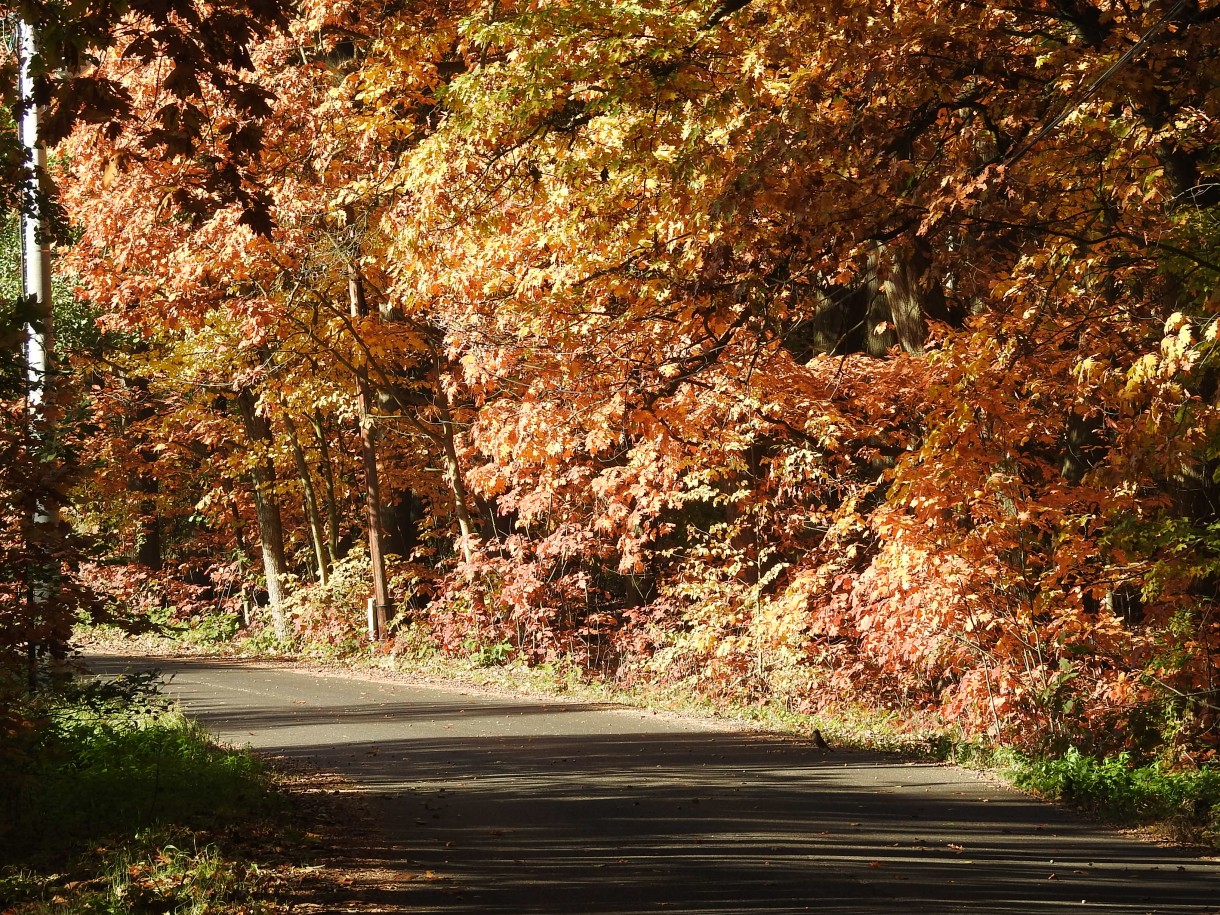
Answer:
[(804, 353)]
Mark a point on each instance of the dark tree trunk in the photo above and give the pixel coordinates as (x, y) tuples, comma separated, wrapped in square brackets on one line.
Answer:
[(382, 611), (453, 470), (149, 547), (399, 515)]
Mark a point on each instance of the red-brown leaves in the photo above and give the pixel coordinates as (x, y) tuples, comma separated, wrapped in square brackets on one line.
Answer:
[(776, 356)]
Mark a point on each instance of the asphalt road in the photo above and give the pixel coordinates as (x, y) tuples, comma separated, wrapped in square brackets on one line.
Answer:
[(545, 807)]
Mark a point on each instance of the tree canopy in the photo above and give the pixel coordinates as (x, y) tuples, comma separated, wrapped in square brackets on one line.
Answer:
[(796, 352)]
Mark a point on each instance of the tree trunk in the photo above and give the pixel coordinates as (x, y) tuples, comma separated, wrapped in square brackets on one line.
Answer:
[(317, 535), (905, 297), (239, 538), (328, 477), (148, 549), (398, 516), (41, 412), (368, 450), (266, 506), (453, 469)]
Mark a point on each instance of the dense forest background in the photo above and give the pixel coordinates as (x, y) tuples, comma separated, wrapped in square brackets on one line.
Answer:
[(789, 352)]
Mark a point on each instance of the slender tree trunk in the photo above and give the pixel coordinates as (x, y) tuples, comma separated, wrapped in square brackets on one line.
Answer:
[(144, 481), (317, 535), (40, 358), (36, 253), (239, 523), (266, 506), (453, 469), (148, 550), (328, 477), (239, 538), (368, 449)]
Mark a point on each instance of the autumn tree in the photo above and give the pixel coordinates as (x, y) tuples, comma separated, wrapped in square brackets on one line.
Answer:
[(305, 305), (889, 255), (798, 353)]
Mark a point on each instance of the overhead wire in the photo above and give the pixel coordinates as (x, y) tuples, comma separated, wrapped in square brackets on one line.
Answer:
[(1097, 85)]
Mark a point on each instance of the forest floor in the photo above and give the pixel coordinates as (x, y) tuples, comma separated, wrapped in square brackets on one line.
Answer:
[(459, 800)]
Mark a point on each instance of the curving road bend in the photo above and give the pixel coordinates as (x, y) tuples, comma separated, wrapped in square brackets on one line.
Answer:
[(547, 807)]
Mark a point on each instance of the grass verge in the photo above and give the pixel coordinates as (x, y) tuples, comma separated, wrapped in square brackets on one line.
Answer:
[(1182, 804), (112, 802)]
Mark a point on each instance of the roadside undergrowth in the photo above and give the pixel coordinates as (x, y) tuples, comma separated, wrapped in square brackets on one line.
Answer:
[(112, 802), (1176, 803)]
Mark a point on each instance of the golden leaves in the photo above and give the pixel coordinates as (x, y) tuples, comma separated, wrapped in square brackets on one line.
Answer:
[(615, 241)]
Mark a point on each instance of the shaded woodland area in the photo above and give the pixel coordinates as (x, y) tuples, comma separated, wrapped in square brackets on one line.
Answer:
[(801, 353)]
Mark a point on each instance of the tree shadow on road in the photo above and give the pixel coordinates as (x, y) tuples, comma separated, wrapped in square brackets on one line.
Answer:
[(492, 805), (738, 823)]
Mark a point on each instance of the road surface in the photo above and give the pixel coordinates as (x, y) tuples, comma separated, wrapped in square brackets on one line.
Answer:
[(547, 807)]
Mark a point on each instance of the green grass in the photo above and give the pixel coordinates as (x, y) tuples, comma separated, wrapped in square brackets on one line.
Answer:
[(1184, 803), (112, 802)]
